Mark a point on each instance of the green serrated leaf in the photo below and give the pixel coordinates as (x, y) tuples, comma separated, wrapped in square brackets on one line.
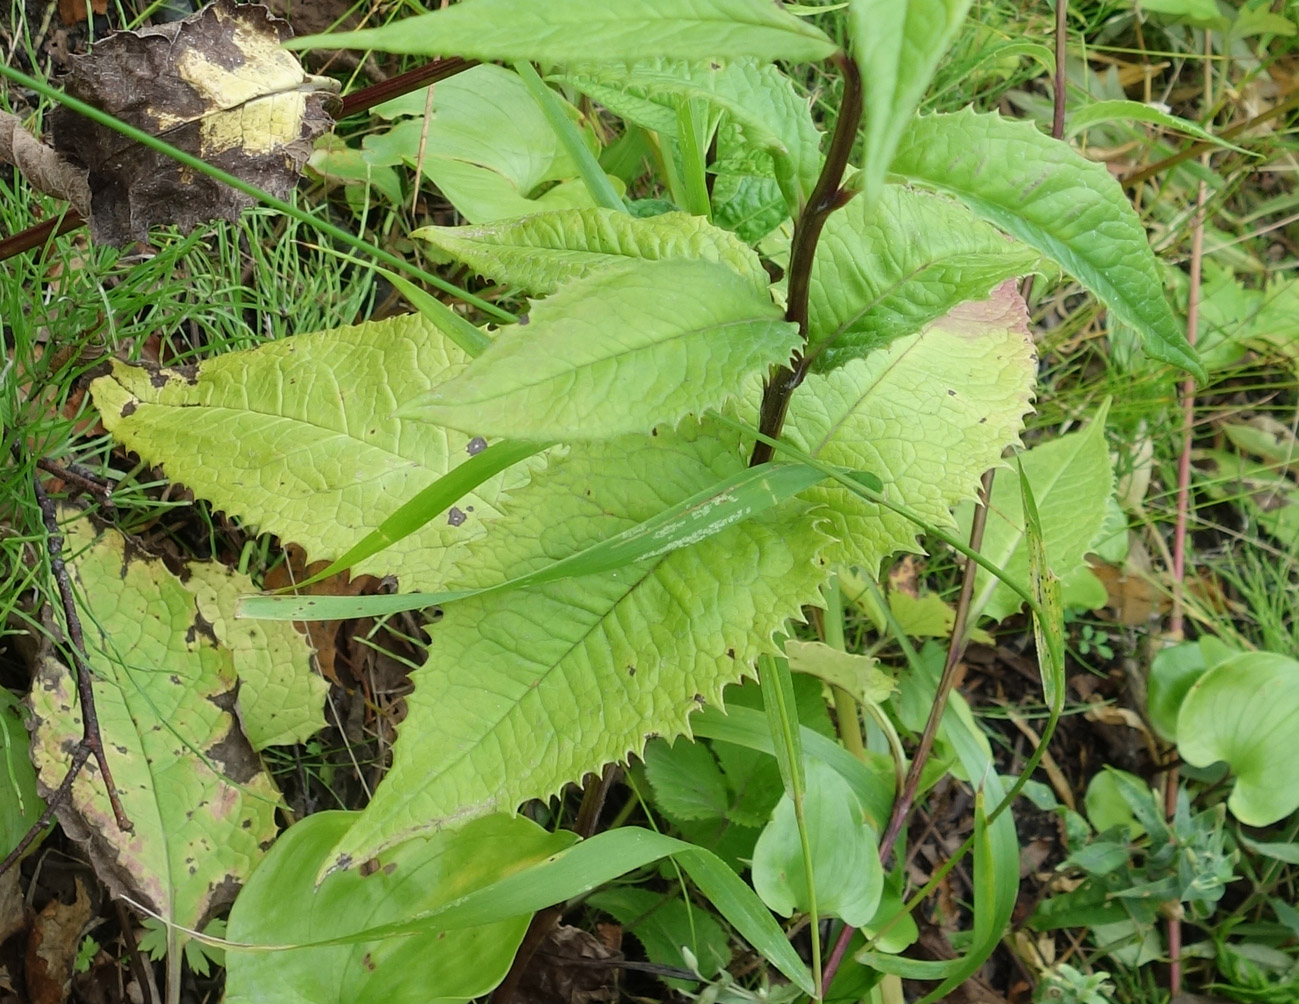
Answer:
[(686, 780), (885, 270), (1071, 477), (568, 31), (897, 45), (542, 252), (202, 808), (528, 690), (1043, 192), (761, 103), (428, 965), (300, 438), (929, 413), (616, 353), (281, 699)]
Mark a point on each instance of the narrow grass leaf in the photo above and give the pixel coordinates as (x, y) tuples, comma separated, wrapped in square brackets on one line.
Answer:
[(446, 320), (434, 500), (1048, 628), (733, 500)]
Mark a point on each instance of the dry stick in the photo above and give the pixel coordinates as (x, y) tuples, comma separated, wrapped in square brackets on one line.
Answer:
[(902, 807), (588, 818), (1290, 103), (91, 743), (367, 97), (1176, 619), (826, 197)]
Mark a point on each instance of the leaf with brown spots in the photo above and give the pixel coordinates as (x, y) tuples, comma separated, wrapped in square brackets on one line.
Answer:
[(165, 691)]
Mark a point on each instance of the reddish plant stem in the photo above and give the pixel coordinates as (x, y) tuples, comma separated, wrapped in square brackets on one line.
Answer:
[(902, 807), (362, 100), (826, 197)]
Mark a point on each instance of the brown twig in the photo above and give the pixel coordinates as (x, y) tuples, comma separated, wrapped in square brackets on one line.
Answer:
[(92, 743), (826, 197), (362, 100), (1176, 619), (956, 647), (83, 479), (1290, 103), (588, 818)]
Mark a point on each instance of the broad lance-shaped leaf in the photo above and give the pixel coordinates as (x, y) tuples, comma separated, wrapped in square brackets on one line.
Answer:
[(1071, 479), (301, 438), (929, 414), (885, 270), (1043, 192), (431, 964), (202, 808), (619, 351), (567, 31), (897, 44), (527, 691), (541, 252), (771, 116)]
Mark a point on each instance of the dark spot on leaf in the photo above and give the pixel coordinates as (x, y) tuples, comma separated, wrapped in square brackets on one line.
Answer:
[(654, 431), (983, 419), (368, 868), (951, 393), (455, 517), (234, 755), (524, 320), (631, 670), (476, 446), (469, 508), (715, 66), (368, 962), (699, 699), (390, 867), (128, 409), (200, 627), (730, 652), (247, 824)]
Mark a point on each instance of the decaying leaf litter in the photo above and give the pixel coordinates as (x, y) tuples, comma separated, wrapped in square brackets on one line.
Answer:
[(992, 672)]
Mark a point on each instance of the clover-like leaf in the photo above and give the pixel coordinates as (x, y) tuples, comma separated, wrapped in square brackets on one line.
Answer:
[(217, 85), (1245, 711)]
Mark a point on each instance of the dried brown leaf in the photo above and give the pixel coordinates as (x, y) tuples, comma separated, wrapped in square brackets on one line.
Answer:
[(218, 86)]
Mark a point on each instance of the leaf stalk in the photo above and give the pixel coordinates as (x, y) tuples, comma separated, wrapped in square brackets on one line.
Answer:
[(826, 197)]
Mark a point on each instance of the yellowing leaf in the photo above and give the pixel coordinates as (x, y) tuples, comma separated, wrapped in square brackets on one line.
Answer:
[(202, 808)]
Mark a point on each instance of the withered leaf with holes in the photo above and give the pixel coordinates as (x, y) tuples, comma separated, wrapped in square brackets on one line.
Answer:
[(218, 86)]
